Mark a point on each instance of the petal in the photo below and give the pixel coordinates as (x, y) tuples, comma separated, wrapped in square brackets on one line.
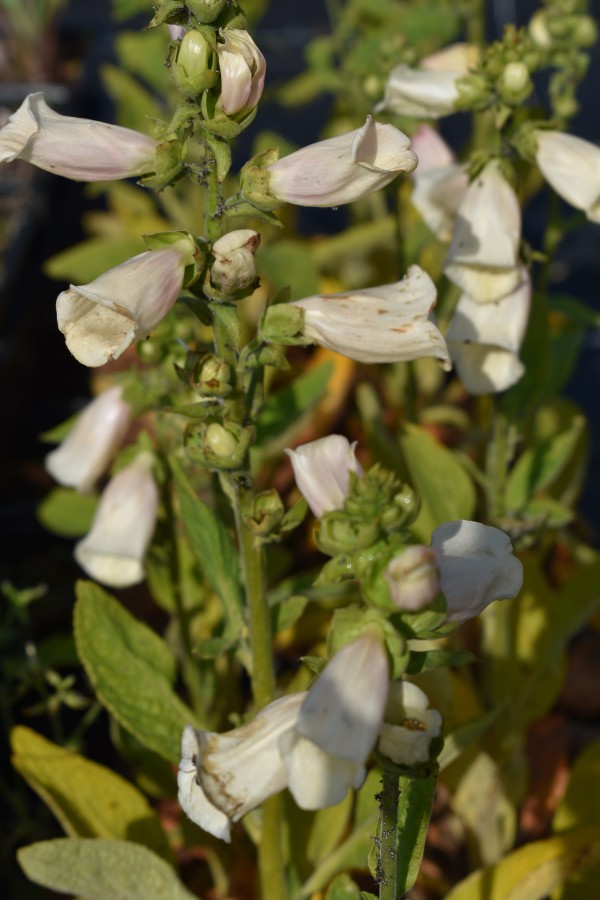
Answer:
[(437, 195), (192, 798), (432, 150), (572, 166), (421, 93), (343, 709), (476, 565), (322, 471), (315, 778)]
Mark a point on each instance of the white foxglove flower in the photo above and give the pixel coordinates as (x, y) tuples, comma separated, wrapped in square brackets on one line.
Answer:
[(101, 319), (80, 149), (223, 776), (322, 472), (412, 578), (86, 452), (325, 754), (242, 68), (390, 323), (430, 91), (344, 168), (483, 256), (439, 182), (476, 565), (572, 166), (410, 726), (484, 339), (113, 550), (234, 268)]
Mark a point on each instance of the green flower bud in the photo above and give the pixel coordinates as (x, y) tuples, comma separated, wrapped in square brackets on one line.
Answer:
[(267, 513), (585, 33), (338, 533), (206, 11), (193, 67), (219, 446), (214, 377), (515, 84), (538, 30), (282, 324), (473, 92)]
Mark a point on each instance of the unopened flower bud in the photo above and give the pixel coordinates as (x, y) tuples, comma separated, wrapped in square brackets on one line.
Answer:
[(412, 578), (219, 446), (220, 441), (339, 533), (243, 69), (234, 268), (538, 30), (267, 513), (515, 84), (206, 11), (322, 471), (214, 377), (192, 67), (585, 31)]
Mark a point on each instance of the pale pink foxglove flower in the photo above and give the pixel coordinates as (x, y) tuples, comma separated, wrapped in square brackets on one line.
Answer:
[(484, 339), (242, 68), (223, 776), (234, 268), (322, 472), (409, 725), (390, 323), (337, 727), (101, 319), (430, 91), (343, 168), (113, 550), (572, 167), (483, 258), (439, 182), (80, 149), (476, 565), (86, 452)]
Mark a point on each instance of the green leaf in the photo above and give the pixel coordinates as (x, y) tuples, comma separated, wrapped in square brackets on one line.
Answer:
[(144, 54), (414, 813), (343, 888), (285, 408), (578, 312), (66, 512), (98, 869), (534, 871), (213, 549), (458, 739), (131, 669), (328, 827), (287, 613), (581, 801), (435, 659), (135, 105), (538, 467), (351, 854), (85, 261), (87, 799), (447, 493)]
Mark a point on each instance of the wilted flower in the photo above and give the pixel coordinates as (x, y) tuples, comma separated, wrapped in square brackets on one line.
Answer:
[(409, 725), (234, 268), (325, 753), (412, 578), (439, 182), (223, 776), (101, 319), (483, 256), (429, 91), (572, 166), (322, 472), (344, 168), (113, 550), (476, 565), (484, 339), (390, 323), (80, 149), (243, 69), (86, 452)]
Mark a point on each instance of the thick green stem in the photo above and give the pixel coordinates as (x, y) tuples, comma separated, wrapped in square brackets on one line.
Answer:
[(388, 837), (497, 463)]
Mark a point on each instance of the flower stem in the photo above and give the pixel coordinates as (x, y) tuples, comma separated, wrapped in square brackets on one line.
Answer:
[(388, 836)]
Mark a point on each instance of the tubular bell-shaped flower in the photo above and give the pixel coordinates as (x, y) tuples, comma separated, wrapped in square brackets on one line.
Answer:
[(113, 550), (343, 168), (572, 166), (101, 319), (476, 565), (243, 69), (322, 471), (338, 724), (439, 182), (484, 339), (409, 725), (430, 91), (81, 149), (483, 256), (223, 776), (390, 323), (86, 452)]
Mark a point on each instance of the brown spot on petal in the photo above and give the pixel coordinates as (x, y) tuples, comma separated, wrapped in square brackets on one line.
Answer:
[(402, 329), (381, 312)]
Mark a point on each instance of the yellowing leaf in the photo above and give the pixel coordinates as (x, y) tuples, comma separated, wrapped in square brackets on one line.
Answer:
[(87, 799)]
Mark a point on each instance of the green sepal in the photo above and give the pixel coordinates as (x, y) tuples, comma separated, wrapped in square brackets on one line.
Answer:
[(193, 253), (254, 179), (238, 206), (206, 11), (221, 152), (294, 516), (168, 165), (184, 116), (282, 323), (169, 12), (316, 664)]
